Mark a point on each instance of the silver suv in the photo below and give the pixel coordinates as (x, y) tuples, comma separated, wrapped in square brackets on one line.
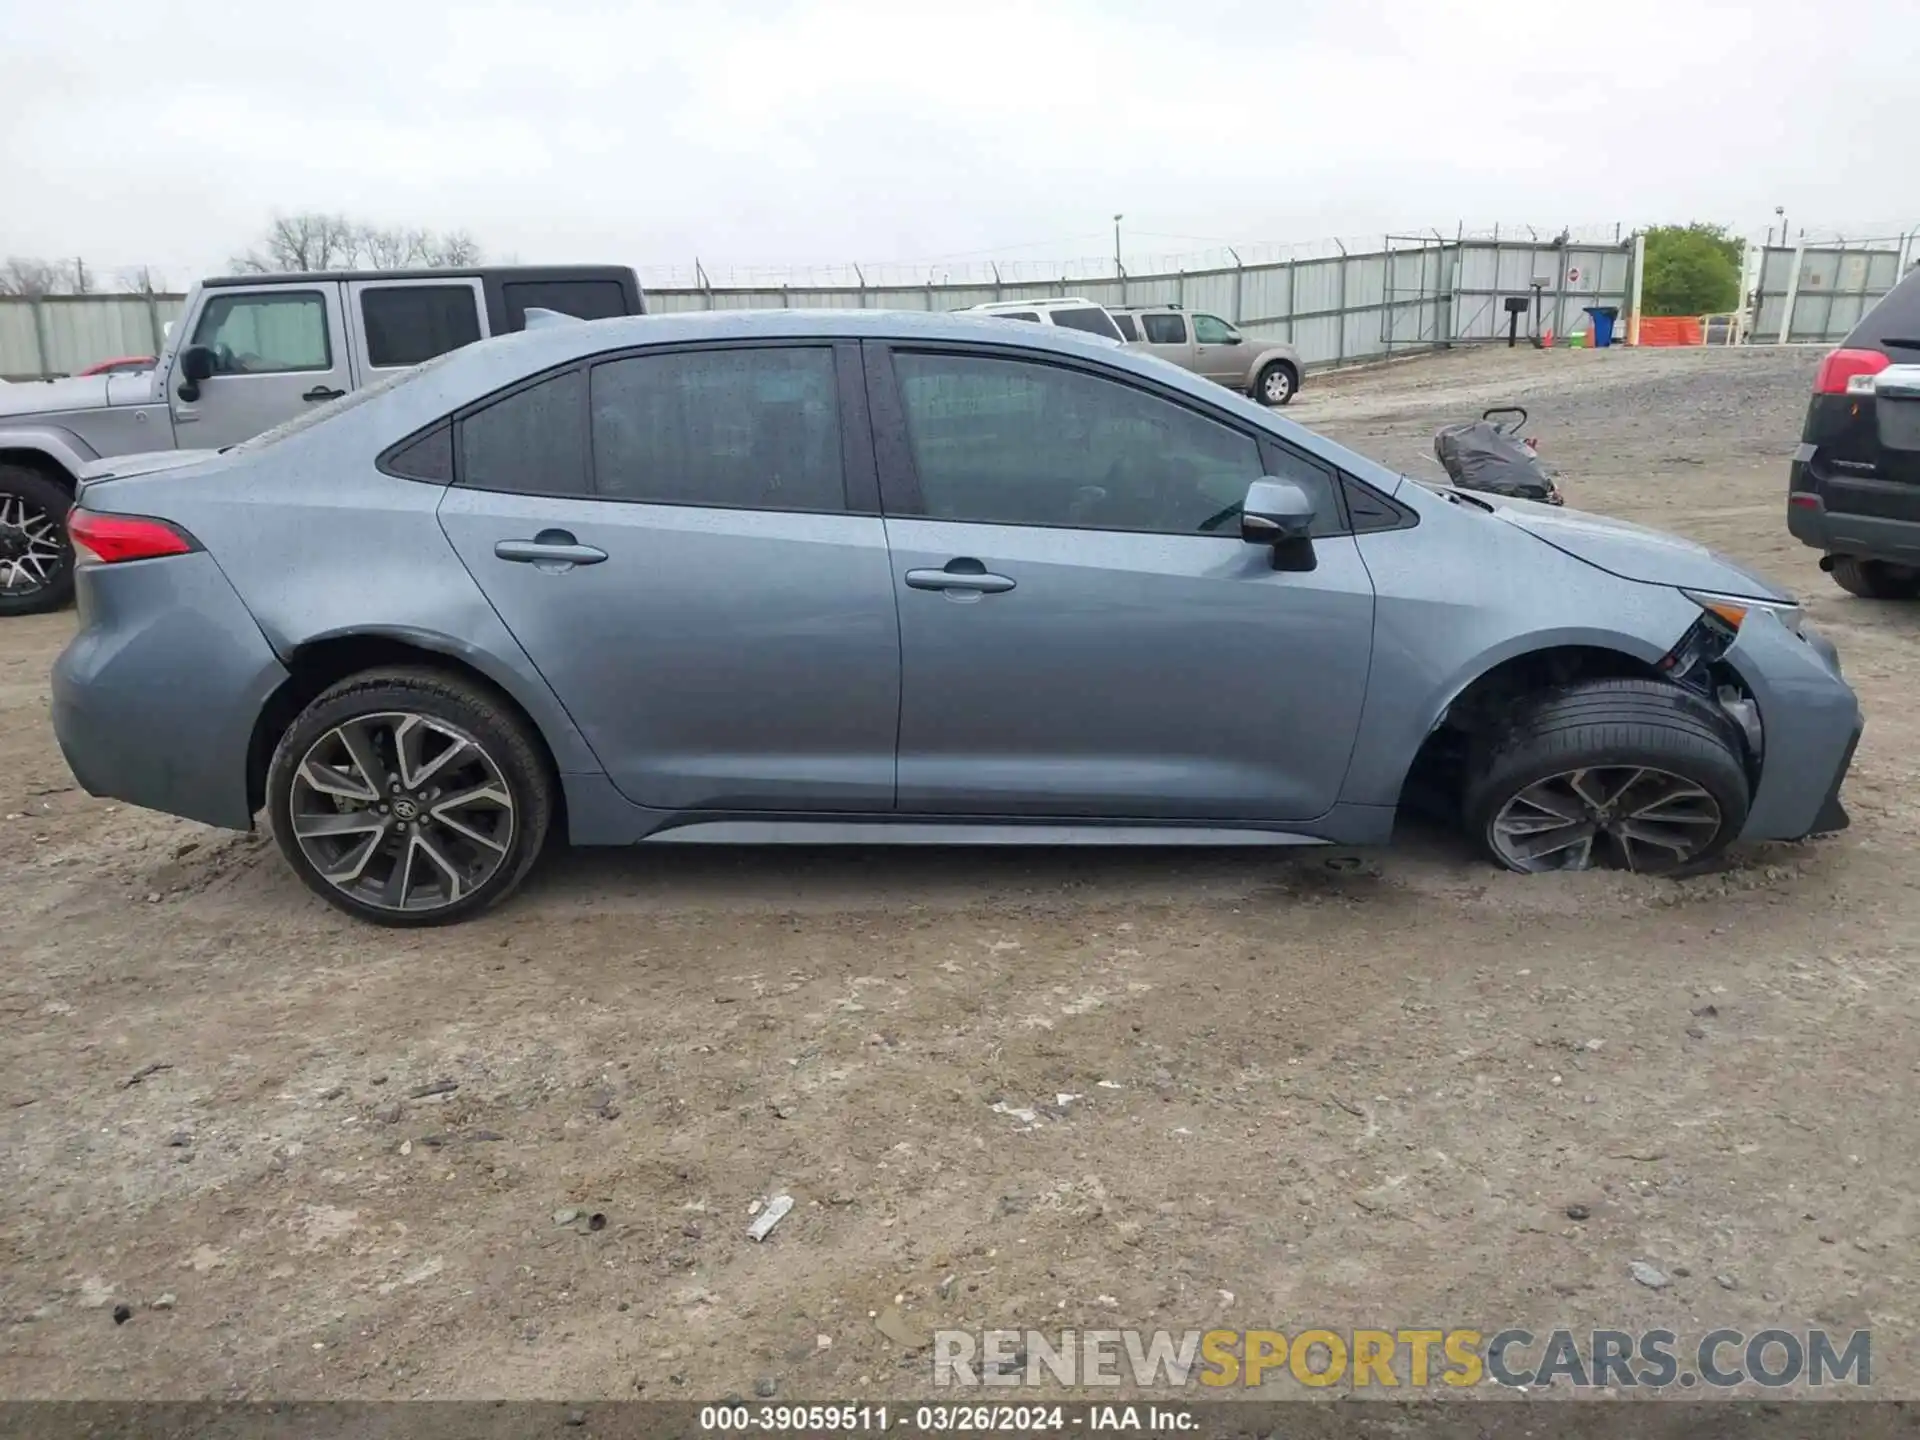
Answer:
[(1209, 346), (249, 353)]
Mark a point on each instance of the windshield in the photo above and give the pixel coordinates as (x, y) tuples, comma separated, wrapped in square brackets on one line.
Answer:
[(306, 419)]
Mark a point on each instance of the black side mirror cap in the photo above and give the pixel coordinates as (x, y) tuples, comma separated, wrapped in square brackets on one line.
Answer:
[(197, 363)]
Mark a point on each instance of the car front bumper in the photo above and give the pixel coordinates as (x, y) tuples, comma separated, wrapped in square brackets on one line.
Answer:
[(155, 699), (1810, 724)]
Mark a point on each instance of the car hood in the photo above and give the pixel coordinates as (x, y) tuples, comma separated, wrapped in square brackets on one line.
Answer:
[(1635, 552), (47, 397)]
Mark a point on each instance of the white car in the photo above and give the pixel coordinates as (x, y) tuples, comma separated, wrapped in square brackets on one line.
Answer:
[(1071, 313)]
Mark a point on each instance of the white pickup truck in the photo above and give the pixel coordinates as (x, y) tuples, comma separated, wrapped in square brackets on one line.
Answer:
[(248, 352)]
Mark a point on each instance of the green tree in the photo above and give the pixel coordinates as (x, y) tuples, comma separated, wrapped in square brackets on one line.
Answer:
[(1692, 269)]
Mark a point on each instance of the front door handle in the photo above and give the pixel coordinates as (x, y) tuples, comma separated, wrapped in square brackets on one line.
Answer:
[(964, 574), (321, 392), (550, 548)]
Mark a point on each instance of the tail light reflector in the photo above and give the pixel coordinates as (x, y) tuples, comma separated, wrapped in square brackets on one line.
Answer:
[(109, 539), (1849, 372)]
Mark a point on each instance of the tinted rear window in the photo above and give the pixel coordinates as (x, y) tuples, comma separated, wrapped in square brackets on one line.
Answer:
[(407, 324), (1015, 315), (1128, 331), (1094, 322), (1895, 322), (582, 299)]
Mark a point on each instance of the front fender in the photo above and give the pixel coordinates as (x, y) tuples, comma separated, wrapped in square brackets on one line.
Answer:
[(60, 446), (1458, 595)]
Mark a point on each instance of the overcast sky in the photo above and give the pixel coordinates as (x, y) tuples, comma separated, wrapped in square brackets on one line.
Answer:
[(754, 132)]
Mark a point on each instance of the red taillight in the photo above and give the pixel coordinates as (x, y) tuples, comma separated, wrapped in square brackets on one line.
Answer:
[(109, 539), (1849, 372)]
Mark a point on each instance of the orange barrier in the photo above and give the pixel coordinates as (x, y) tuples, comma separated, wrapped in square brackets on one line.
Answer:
[(1671, 330)]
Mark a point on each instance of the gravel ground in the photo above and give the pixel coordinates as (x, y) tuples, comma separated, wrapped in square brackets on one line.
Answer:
[(1362, 1091)]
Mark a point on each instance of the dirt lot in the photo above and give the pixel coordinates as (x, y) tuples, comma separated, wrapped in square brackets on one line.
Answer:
[(1349, 1093)]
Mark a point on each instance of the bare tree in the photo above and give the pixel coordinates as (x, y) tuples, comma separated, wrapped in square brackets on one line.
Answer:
[(23, 275), (382, 248), (139, 280), (304, 242), (456, 247), (313, 241)]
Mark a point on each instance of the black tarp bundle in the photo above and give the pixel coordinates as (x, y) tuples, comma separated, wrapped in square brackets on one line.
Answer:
[(1480, 455)]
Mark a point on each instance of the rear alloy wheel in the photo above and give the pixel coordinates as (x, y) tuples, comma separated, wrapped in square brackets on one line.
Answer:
[(409, 798), (36, 558), (1276, 384), (1874, 579), (1633, 775)]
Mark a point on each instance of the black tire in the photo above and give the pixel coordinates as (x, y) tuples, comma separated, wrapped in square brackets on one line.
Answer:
[(35, 495), (1874, 579), (1615, 727), (1276, 384), (501, 736)]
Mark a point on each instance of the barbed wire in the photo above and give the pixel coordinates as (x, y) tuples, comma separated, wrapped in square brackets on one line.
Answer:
[(986, 269)]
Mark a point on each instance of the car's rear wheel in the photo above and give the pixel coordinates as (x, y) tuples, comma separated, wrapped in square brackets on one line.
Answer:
[(36, 558), (409, 797), (1874, 579), (1276, 384), (1624, 774)]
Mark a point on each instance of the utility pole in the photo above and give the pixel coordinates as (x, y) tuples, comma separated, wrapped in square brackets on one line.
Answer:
[(1119, 270), (1781, 211)]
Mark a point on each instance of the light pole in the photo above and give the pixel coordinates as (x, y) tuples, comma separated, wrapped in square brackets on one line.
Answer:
[(1119, 270), (1781, 211)]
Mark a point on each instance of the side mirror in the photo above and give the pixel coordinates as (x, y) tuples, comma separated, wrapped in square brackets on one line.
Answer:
[(196, 364), (1280, 513)]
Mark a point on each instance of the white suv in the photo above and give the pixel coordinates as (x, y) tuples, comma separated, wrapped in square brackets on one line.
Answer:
[(1071, 314)]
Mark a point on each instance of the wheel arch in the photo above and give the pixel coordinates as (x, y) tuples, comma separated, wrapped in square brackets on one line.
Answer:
[(55, 453), (1475, 696), (1280, 355), (326, 659)]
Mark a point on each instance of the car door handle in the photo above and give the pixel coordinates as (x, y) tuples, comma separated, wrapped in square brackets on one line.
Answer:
[(549, 547), (967, 575), (321, 392)]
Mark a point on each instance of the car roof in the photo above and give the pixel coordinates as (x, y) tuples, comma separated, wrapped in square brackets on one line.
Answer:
[(1053, 302), (466, 272), (555, 344)]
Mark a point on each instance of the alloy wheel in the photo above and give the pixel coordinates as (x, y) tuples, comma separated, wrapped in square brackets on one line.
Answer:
[(1632, 817), (31, 550), (401, 811), (1276, 386)]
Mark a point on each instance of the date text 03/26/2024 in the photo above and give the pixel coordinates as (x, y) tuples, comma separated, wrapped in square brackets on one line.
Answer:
[(944, 1419)]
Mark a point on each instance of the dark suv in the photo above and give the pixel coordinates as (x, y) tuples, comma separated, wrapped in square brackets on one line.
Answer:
[(1855, 488)]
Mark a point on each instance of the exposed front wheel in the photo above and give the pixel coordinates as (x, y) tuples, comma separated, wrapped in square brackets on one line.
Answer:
[(1874, 579), (36, 558), (1276, 384), (1626, 774), (409, 797)]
